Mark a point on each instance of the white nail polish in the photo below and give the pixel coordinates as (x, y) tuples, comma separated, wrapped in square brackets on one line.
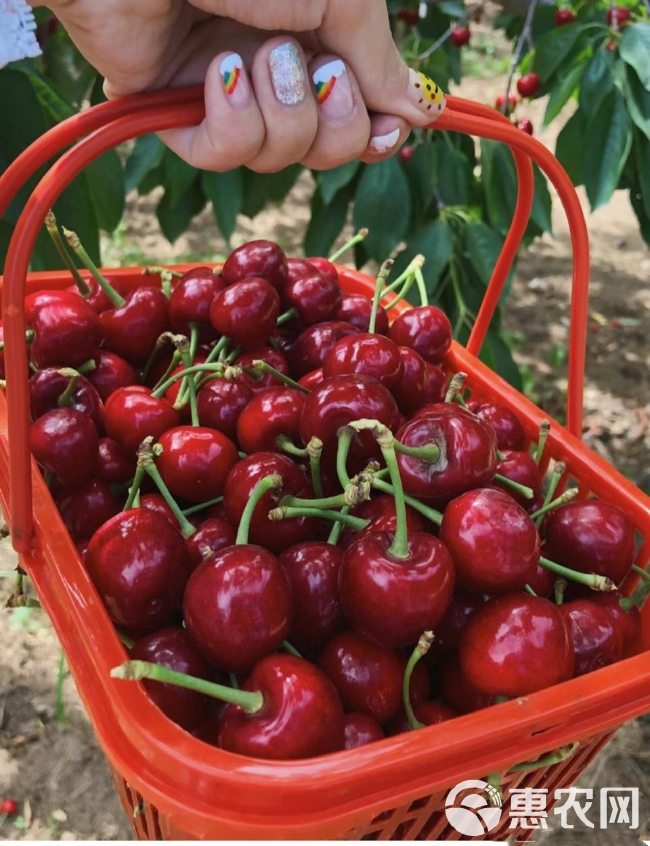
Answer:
[(383, 143)]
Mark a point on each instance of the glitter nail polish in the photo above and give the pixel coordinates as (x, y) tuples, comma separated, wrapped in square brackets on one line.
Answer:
[(287, 74)]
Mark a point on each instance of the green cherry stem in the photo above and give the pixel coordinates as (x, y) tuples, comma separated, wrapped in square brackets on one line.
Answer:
[(186, 358), (173, 364), (249, 701), (162, 341), (423, 646), (55, 235), (290, 649), (314, 451), (522, 490), (401, 295), (384, 273), (146, 461), (156, 270), (220, 347), (346, 435), (361, 235), (567, 496), (196, 508), (286, 316), (529, 590), (166, 283), (558, 471), (544, 432), (73, 239), (425, 510), (161, 389), (133, 498), (559, 587), (562, 754), (455, 388), (285, 443), (337, 528), (428, 453), (258, 365), (66, 398), (185, 390), (272, 482), (283, 511), (422, 287), (599, 583)]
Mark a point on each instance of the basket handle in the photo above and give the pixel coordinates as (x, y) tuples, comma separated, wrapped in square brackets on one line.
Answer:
[(190, 112)]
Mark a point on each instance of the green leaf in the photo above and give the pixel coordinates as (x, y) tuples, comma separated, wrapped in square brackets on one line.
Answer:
[(541, 212), (634, 48), (499, 183), (642, 153), (55, 106), (383, 205), (327, 221), (175, 217), (639, 210), (422, 171), (226, 193), (570, 146), (498, 356), (638, 101), (436, 244), (105, 179), (561, 93), (331, 181), (610, 139), (553, 48), (484, 246), (179, 176), (263, 188), (146, 155), (597, 81), (453, 177)]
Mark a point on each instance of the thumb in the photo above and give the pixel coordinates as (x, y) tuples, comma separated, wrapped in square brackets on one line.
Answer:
[(359, 32)]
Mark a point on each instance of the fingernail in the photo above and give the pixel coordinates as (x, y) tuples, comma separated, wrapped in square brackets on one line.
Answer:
[(383, 143), (333, 91), (235, 81), (426, 94), (287, 75)]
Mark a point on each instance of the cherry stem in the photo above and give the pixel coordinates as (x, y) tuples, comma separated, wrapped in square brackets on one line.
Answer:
[(428, 453), (384, 273), (314, 451), (361, 235), (637, 598), (425, 510), (285, 512), (161, 389), (529, 590), (55, 235), (173, 364), (562, 754), (196, 508), (146, 461), (558, 471), (290, 649), (399, 548), (273, 482), (249, 701), (337, 528), (162, 341), (567, 496), (258, 364), (544, 432), (600, 583), (185, 389), (346, 436), (641, 572), (156, 270), (186, 358), (523, 490), (285, 443), (456, 385), (221, 346), (166, 283), (559, 588), (423, 646), (401, 295), (66, 398), (286, 316), (73, 239), (134, 490), (422, 287), (87, 367)]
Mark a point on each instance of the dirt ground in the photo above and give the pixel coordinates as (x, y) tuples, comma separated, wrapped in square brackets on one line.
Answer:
[(56, 771)]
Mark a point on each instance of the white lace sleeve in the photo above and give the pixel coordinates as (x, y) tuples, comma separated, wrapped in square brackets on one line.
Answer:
[(17, 32)]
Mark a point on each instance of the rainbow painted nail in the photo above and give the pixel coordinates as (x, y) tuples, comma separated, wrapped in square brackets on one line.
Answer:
[(230, 70), (325, 79)]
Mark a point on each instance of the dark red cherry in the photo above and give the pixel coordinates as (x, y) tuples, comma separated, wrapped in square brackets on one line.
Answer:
[(356, 309), (435, 391), (220, 402), (111, 372), (213, 535), (259, 381), (299, 267), (428, 713), (156, 502), (47, 390), (519, 467), (627, 620), (409, 389), (312, 345), (132, 414), (257, 258), (458, 692), (246, 312), (65, 442), (86, 507), (67, 331), (270, 414), (597, 640), (509, 431), (365, 355), (315, 297), (195, 462), (97, 300), (311, 379), (426, 330), (113, 465), (381, 513), (131, 330), (360, 729), (191, 300), (325, 268)]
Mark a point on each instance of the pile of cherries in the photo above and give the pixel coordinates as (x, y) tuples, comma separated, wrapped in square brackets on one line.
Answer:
[(305, 534)]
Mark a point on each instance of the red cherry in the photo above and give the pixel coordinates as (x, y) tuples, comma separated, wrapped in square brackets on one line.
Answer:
[(618, 16), (564, 16), (156, 502), (132, 414), (460, 36), (191, 300), (356, 309), (409, 16), (597, 640), (315, 297), (261, 381), (132, 329), (257, 258), (65, 442), (113, 466), (414, 381), (213, 534), (86, 507), (458, 692), (325, 268), (365, 355), (312, 345), (299, 267), (406, 153), (526, 126), (46, 389), (220, 403), (425, 329), (628, 621), (516, 645), (195, 462), (509, 106), (310, 380), (67, 331), (528, 85), (270, 414), (381, 513), (246, 312), (111, 372), (509, 431), (427, 713), (8, 807), (519, 467), (360, 729)]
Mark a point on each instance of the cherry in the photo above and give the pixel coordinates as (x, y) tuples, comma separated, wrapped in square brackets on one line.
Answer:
[(528, 85), (515, 645), (260, 380), (312, 569), (356, 309), (509, 431), (67, 331), (299, 267), (97, 299), (543, 581), (412, 384), (460, 36), (111, 372), (492, 540), (312, 345), (409, 16), (86, 507), (449, 630), (133, 414), (597, 640), (195, 462), (113, 466), (246, 312), (458, 692), (173, 648), (626, 617), (591, 536), (65, 442), (426, 330), (564, 16), (270, 414), (191, 300), (526, 126), (428, 713), (381, 514), (310, 380), (213, 535), (220, 402), (360, 729), (156, 502), (618, 16), (519, 467), (366, 354), (131, 329), (257, 259), (65, 388), (315, 297), (507, 107), (437, 387), (611, 46), (301, 717), (139, 565), (8, 807), (325, 268)]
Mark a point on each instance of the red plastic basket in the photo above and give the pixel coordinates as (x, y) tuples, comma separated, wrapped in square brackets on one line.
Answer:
[(172, 785)]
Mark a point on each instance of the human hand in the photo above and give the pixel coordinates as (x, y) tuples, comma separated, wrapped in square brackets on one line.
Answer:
[(277, 100)]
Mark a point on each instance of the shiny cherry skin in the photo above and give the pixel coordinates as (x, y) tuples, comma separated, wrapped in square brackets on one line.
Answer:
[(528, 85), (564, 16), (515, 645), (449, 630), (542, 582), (458, 692), (390, 600), (368, 678), (509, 431), (67, 331), (302, 716), (65, 442), (111, 372), (276, 536), (325, 268), (86, 507), (299, 267), (425, 329), (468, 454), (191, 300), (47, 386), (260, 381), (270, 414), (113, 465), (627, 620), (312, 345), (97, 300), (195, 462), (131, 330), (494, 543), (237, 607), (381, 514), (219, 404), (132, 414), (312, 568), (428, 713), (365, 355), (356, 309), (410, 387), (140, 566), (460, 36), (173, 648), (526, 125), (436, 389), (257, 258), (315, 297), (312, 379), (591, 536), (519, 467), (156, 502), (360, 729), (213, 535), (597, 640), (246, 312)]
